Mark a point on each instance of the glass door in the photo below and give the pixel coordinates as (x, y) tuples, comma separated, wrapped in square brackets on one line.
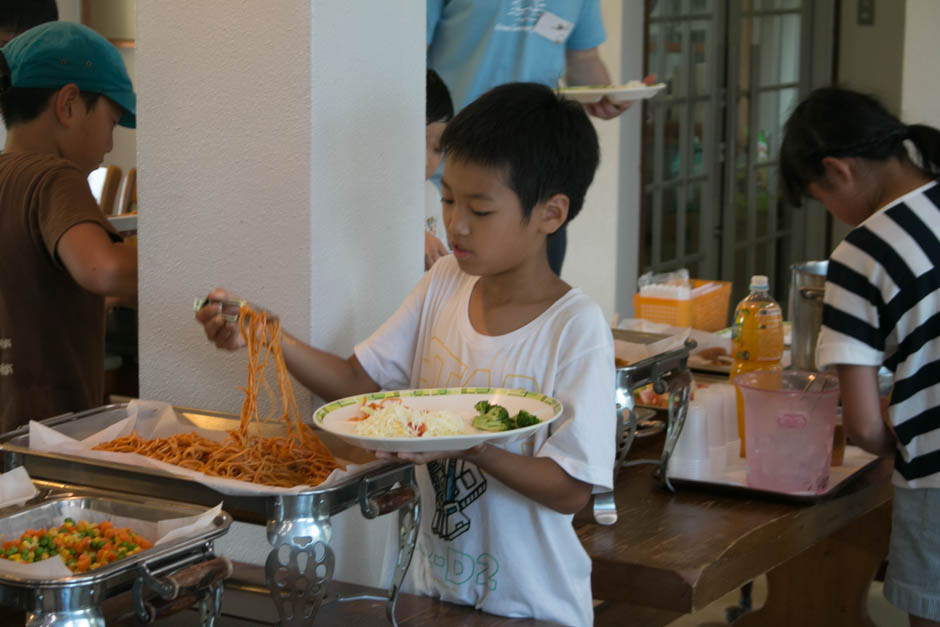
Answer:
[(681, 134), (735, 69), (765, 46)]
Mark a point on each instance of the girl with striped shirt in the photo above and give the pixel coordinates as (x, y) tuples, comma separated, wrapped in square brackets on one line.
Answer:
[(882, 307)]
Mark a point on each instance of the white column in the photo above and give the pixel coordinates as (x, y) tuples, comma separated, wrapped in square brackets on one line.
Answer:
[(920, 94), (280, 152), (603, 241)]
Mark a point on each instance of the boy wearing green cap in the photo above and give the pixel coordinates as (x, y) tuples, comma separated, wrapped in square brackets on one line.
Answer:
[(63, 88)]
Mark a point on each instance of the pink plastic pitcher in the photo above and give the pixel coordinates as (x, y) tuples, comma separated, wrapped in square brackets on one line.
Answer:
[(789, 418)]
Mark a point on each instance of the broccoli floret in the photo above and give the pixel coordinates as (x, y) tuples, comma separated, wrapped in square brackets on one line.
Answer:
[(495, 418), (499, 411), (492, 422), (524, 419)]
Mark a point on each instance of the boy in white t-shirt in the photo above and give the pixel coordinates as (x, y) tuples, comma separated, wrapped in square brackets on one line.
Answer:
[(497, 530)]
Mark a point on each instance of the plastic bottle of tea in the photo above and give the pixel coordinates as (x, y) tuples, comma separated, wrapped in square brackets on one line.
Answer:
[(756, 337)]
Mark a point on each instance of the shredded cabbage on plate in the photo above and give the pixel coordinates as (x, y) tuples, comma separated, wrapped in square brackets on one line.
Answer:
[(396, 420)]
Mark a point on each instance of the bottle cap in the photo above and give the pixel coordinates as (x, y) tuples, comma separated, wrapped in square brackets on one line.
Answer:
[(760, 283)]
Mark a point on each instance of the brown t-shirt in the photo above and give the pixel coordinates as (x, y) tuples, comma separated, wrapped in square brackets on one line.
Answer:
[(51, 329)]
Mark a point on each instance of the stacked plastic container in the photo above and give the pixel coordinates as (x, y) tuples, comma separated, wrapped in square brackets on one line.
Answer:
[(709, 440)]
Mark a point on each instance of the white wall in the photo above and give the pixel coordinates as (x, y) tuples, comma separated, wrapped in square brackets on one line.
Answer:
[(291, 182), (870, 56), (281, 155), (603, 241), (920, 91)]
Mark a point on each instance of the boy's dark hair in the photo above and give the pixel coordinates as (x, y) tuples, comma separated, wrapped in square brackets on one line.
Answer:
[(545, 142), (439, 106), (837, 122), (21, 15), (20, 105)]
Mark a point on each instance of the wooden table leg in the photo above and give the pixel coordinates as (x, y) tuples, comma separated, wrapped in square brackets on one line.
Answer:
[(828, 583)]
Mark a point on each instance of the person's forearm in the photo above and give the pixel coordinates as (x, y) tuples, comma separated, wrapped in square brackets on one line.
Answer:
[(584, 67), (327, 375), (862, 413), (538, 478), (877, 439)]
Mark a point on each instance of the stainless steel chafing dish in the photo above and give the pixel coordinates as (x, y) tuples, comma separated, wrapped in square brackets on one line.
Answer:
[(669, 374), (299, 567), (177, 573)]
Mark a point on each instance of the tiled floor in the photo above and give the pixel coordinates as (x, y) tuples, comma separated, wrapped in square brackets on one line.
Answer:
[(882, 613)]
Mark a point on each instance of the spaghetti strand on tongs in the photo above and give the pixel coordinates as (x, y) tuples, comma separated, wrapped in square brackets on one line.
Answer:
[(296, 458)]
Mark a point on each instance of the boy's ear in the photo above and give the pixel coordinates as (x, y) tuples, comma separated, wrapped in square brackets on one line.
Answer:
[(552, 213), (65, 104)]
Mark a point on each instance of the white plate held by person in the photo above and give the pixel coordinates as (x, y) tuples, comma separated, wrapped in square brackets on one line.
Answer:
[(439, 419)]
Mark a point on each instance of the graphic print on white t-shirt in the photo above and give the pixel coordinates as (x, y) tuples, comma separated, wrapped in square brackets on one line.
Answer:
[(457, 484), (442, 367)]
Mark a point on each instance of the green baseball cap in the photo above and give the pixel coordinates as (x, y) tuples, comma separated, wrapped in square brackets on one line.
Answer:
[(58, 53)]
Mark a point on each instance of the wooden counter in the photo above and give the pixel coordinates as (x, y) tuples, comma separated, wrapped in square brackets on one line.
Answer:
[(673, 554)]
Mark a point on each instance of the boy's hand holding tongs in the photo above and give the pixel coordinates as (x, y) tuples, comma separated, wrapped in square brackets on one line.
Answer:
[(218, 314)]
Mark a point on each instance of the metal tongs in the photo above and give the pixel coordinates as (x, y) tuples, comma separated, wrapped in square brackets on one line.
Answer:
[(228, 305)]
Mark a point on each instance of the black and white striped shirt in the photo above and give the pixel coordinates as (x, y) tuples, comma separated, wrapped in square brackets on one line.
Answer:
[(882, 307)]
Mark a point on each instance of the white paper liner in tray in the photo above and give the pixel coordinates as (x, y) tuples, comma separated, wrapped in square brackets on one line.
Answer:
[(153, 419), (163, 530), (16, 487)]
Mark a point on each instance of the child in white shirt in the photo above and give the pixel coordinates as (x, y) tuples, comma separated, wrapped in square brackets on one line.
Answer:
[(497, 529)]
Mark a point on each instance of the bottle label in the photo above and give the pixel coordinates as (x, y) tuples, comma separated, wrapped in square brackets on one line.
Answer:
[(757, 334)]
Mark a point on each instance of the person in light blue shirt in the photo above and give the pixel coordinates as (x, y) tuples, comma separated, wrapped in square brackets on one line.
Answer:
[(475, 45)]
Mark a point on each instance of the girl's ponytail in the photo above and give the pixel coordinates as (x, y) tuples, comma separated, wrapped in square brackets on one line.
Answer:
[(927, 141)]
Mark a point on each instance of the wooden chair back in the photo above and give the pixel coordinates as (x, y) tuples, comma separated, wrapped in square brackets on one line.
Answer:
[(104, 184), (127, 196)]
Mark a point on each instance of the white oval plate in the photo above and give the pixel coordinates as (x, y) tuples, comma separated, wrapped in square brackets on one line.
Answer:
[(616, 93), (335, 417)]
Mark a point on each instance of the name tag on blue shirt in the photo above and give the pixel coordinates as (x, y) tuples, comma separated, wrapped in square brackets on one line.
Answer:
[(553, 28)]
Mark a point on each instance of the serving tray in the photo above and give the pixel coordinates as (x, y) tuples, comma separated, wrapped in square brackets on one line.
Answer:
[(733, 479)]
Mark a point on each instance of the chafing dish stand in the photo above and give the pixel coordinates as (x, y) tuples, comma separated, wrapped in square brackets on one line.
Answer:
[(299, 568), (669, 374)]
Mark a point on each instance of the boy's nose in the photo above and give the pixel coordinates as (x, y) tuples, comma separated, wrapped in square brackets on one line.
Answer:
[(455, 220)]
